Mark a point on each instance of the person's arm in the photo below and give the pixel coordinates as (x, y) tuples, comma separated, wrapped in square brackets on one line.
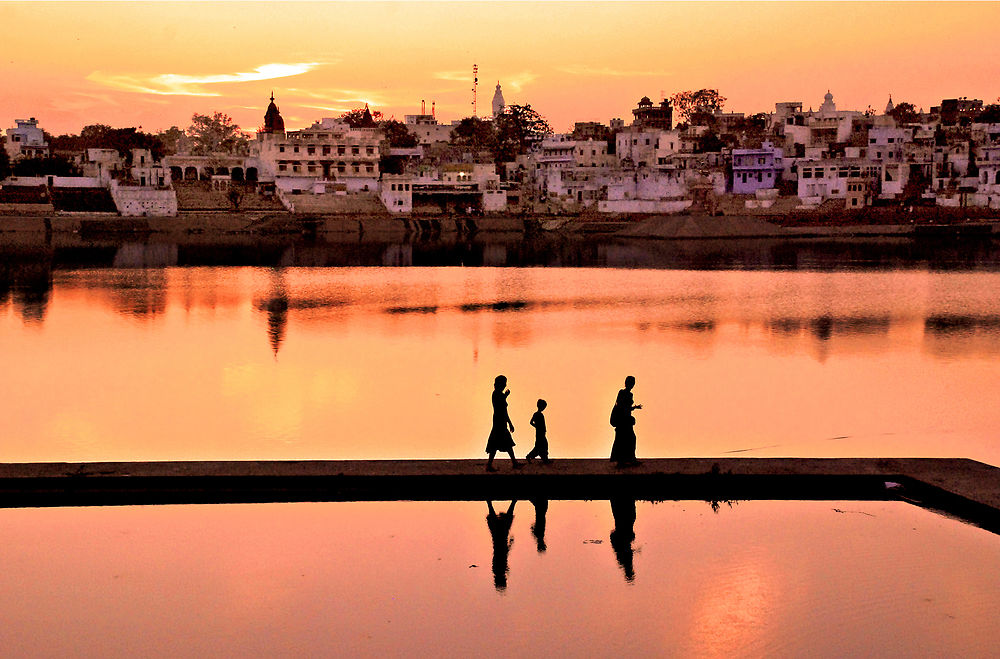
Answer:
[(532, 422)]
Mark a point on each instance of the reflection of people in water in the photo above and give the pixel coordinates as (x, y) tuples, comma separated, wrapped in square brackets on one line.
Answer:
[(623, 450), (538, 528), (500, 532), (623, 534), (500, 436)]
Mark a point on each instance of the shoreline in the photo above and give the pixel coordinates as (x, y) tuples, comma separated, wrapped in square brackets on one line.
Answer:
[(959, 487), (204, 226)]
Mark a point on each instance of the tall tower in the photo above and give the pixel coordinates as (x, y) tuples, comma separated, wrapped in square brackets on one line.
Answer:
[(498, 102), (475, 87)]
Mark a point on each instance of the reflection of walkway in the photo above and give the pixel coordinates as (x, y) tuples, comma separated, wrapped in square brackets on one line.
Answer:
[(965, 488), (623, 534)]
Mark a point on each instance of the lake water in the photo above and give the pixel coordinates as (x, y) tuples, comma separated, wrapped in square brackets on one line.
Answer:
[(755, 578), (153, 357)]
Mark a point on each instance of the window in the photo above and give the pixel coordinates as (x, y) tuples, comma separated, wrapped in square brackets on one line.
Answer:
[(807, 173), (281, 149), (393, 187), (326, 150), (296, 149), (370, 150), (282, 167), (311, 151), (340, 149), (296, 168), (355, 151)]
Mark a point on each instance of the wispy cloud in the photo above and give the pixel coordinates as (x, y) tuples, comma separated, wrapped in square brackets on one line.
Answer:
[(512, 81), (351, 97), (457, 76), (173, 84), (608, 72)]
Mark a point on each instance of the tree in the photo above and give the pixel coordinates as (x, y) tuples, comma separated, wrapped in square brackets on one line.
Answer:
[(709, 142), (516, 127), (214, 134), (101, 136), (397, 134), (904, 113), (356, 118), (50, 166), (990, 114), (474, 133), (704, 101), (4, 164), (173, 140)]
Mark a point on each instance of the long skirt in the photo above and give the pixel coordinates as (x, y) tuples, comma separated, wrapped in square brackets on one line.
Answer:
[(500, 441), (623, 450)]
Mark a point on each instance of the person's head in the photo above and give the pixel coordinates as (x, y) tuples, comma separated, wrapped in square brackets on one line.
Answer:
[(500, 382), (630, 382), (541, 404)]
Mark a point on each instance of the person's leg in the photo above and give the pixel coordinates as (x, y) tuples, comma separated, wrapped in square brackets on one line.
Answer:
[(513, 460), (533, 453), (489, 465)]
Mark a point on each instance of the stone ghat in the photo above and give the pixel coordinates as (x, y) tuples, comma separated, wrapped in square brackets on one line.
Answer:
[(964, 488)]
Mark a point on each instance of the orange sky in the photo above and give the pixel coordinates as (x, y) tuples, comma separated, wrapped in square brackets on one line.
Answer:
[(154, 64)]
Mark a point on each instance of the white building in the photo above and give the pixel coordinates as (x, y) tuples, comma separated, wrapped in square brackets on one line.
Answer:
[(427, 129), (853, 179), (329, 150), (26, 140), (498, 102)]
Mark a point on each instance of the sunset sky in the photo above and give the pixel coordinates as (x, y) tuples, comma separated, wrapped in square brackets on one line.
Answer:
[(154, 64)]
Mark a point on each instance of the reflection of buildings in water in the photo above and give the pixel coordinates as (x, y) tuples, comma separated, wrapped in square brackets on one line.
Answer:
[(276, 306), (499, 525), (786, 332), (494, 254), (538, 528), (962, 335), (139, 293), (143, 255), (400, 254), (623, 510), (27, 283)]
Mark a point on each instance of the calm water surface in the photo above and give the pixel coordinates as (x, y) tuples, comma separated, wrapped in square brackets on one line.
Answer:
[(397, 362), (759, 578)]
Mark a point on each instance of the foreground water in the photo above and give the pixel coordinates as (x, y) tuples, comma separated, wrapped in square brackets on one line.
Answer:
[(576, 579), (398, 362)]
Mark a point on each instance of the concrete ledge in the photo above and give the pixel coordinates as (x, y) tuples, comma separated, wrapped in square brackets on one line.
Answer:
[(963, 488)]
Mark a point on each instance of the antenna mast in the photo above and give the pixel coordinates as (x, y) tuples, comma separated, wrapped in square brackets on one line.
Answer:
[(475, 86)]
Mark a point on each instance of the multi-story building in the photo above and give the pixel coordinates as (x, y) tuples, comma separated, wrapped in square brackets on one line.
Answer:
[(26, 140), (756, 169), (853, 179), (647, 115), (328, 151)]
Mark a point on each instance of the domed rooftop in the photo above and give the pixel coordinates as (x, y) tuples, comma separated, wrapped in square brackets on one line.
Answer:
[(273, 123)]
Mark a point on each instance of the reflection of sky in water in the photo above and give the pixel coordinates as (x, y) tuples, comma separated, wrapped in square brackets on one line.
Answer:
[(189, 363), (759, 578)]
